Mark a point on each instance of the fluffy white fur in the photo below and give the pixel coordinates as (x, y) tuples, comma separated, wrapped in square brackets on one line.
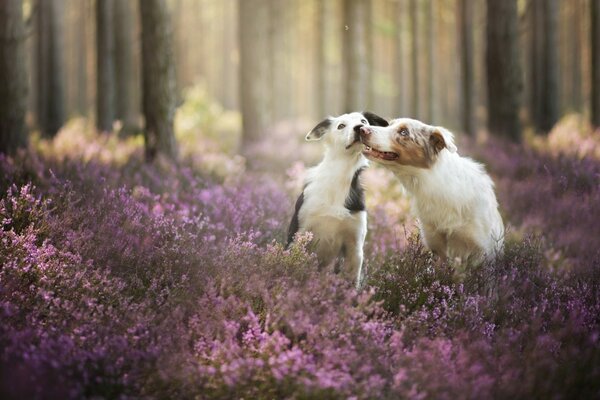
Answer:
[(452, 197), (322, 209)]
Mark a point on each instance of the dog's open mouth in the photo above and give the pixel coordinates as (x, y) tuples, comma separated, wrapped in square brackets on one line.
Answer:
[(383, 155)]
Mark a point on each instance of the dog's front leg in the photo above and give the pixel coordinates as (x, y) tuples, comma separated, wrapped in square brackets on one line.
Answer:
[(353, 261)]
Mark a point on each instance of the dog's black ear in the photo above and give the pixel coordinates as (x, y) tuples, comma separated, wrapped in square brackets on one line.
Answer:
[(374, 119), (318, 131)]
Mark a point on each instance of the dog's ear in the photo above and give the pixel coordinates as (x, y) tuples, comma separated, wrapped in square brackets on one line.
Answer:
[(318, 131), (441, 138), (374, 119)]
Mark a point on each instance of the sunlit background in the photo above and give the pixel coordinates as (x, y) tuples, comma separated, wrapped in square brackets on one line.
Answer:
[(151, 153)]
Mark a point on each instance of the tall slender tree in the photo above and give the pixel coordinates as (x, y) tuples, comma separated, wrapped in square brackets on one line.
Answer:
[(49, 67), (430, 33), (278, 55), (81, 61), (400, 59), (125, 82), (467, 67), (105, 65), (355, 55), (576, 99), (550, 107), (504, 80), (536, 33), (13, 78), (414, 58), (595, 62), (322, 15), (254, 88), (158, 79)]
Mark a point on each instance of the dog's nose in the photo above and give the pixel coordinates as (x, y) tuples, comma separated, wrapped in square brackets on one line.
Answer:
[(365, 131), (357, 128)]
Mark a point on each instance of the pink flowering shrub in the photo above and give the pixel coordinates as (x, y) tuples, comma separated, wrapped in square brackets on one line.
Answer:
[(139, 281)]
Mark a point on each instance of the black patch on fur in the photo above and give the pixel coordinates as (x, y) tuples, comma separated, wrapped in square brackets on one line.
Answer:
[(355, 201), (321, 128), (374, 119), (294, 223)]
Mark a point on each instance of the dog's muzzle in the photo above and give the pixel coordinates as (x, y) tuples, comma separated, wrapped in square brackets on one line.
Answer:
[(356, 138)]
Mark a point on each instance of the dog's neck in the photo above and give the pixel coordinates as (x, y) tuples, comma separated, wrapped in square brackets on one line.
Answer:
[(341, 158), (333, 175), (416, 180)]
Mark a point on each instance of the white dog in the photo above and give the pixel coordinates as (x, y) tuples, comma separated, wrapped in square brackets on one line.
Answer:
[(332, 204), (453, 197)]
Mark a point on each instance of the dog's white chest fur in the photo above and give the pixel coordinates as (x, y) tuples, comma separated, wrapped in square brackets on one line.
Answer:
[(325, 211)]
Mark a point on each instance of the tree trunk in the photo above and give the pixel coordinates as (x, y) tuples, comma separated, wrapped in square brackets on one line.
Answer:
[(595, 41), (503, 69), (81, 62), (369, 24), (400, 59), (125, 106), (105, 64), (535, 61), (430, 32), (229, 37), (575, 44), (550, 108), (467, 68), (13, 76), (321, 23), (254, 88), (414, 58), (158, 80), (278, 54), (355, 55), (50, 107)]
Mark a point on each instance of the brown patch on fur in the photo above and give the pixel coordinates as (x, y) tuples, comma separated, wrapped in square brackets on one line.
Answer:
[(436, 139), (411, 153)]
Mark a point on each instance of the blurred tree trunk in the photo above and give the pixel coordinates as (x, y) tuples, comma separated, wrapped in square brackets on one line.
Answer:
[(180, 51), (158, 80), (549, 99), (503, 69), (535, 61), (430, 32), (81, 62), (595, 41), (400, 59), (278, 52), (355, 55), (254, 80), (228, 82), (370, 59), (49, 67), (105, 64), (13, 76), (125, 106), (322, 20), (414, 58), (575, 44), (467, 68)]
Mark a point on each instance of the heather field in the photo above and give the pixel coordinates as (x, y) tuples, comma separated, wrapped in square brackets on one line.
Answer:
[(121, 279)]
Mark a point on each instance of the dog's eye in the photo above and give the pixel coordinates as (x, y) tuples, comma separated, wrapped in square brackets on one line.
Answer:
[(403, 132), (363, 121), (341, 126)]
